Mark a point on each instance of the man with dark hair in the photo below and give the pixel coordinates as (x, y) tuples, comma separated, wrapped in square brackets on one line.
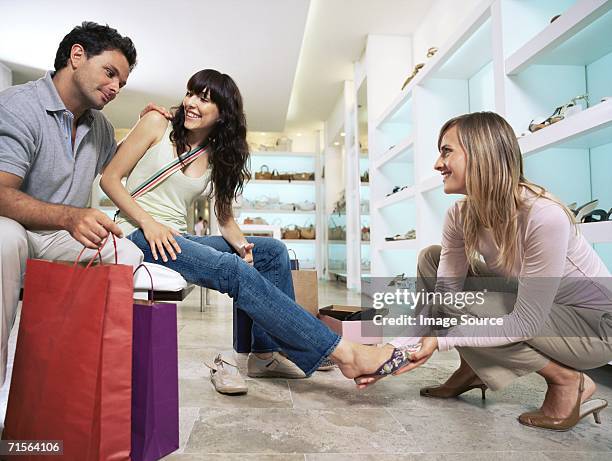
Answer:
[(53, 143)]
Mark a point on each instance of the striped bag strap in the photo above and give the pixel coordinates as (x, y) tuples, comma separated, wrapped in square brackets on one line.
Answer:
[(168, 170)]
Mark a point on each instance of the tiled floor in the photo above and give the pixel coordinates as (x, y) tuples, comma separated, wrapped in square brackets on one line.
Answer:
[(325, 418)]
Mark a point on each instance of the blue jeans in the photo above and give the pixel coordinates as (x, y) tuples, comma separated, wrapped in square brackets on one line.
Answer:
[(210, 262)]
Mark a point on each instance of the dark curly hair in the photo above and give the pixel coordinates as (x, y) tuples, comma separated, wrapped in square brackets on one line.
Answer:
[(95, 39), (229, 151)]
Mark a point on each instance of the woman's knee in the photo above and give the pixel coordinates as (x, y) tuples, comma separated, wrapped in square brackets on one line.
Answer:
[(429, 255)]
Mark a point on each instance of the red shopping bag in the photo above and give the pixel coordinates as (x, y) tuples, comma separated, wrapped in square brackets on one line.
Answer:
[(72, 373)]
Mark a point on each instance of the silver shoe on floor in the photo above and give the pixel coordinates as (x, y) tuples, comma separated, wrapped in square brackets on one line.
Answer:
[(226, 378), (277, 366)]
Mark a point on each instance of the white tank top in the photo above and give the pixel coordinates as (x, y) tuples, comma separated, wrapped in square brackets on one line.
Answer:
[(169, 201)]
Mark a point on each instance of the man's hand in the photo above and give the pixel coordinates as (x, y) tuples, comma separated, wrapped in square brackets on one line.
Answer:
[(246, 252), (90, 226), (162, 110)]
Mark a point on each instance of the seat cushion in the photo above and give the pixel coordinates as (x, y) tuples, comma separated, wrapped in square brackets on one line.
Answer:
[(164, 279)]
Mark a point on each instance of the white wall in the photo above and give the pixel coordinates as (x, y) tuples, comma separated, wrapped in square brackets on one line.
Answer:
[(438, 25), (6, 77)]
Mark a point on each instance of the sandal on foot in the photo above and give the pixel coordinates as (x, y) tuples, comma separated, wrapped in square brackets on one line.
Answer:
[(400, 357)]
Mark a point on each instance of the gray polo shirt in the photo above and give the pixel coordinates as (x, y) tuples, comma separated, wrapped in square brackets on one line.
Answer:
[(35, 143)]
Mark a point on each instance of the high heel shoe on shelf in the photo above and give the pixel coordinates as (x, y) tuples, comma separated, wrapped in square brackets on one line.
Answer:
[(447, 392), (540, 420), (561, 112), (583, 210)]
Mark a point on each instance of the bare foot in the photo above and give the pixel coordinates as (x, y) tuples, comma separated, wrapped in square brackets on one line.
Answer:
[(356, 359), (562, 393)]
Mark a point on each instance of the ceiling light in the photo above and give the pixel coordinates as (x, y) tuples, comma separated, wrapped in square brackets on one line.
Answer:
[(336, 143), (343, 134), (299, 134)]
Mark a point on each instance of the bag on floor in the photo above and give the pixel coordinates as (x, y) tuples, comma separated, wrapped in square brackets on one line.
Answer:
[(155, 403), (306, 287), (72, 374)]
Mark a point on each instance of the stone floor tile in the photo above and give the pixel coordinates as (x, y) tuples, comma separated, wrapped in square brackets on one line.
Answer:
[(297, 431), (263, 393), (495, 428)]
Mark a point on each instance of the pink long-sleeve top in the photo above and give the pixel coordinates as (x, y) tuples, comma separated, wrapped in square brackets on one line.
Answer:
[(554, 265)]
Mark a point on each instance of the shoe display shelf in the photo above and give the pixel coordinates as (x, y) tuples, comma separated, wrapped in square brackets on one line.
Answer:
[(547, 64), (263, 198), (459, 78), (509, 58)]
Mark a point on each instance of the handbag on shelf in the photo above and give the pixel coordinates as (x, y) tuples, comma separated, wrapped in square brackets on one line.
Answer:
[(291, 232), (285, 176), (288, 206), (303, 176), (365, 234), (336, 232), (306, 206), (283, 144), (263, 173), (308, 233), (275, 175)]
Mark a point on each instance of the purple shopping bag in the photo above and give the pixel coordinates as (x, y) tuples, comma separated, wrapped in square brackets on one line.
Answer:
[(155, 403)]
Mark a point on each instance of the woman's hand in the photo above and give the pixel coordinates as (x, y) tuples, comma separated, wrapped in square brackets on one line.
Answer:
[(428, 346), (161, 239), (246, 252)]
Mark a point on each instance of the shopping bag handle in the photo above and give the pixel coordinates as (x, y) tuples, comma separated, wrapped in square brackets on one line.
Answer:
[(150, 277), (98, 253), (297, 261)]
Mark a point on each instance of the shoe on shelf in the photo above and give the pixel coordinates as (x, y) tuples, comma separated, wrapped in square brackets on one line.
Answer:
[(598, 216), (585, 209), (541, 421), (447, 392), (410, 235), (561, 112), (225, 377), (277, 366), (327, 365)]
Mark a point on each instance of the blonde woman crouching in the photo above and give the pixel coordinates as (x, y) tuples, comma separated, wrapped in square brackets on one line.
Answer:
[(552, 290)]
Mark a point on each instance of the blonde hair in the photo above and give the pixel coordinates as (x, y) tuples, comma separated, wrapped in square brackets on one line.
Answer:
[(494, 178)]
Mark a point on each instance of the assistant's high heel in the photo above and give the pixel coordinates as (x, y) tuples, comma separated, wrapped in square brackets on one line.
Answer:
[(447, 392), (540, 420)]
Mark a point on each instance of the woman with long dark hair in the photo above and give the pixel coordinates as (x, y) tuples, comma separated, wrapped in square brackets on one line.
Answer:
[(211, 121)]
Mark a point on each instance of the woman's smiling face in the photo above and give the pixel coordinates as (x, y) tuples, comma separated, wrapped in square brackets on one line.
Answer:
[(200, 111), (452, 162)]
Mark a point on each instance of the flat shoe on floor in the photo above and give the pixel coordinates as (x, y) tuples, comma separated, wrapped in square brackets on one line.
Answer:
[(277, 366), (225, 377)]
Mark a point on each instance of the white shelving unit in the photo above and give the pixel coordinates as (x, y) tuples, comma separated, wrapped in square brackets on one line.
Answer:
[(278, 191), (509, 58)]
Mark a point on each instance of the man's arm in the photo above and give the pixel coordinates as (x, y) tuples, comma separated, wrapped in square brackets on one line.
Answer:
[(87, 225)]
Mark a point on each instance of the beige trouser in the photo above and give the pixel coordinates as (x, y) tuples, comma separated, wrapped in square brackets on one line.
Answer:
[(17, 244), (576, 337)]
